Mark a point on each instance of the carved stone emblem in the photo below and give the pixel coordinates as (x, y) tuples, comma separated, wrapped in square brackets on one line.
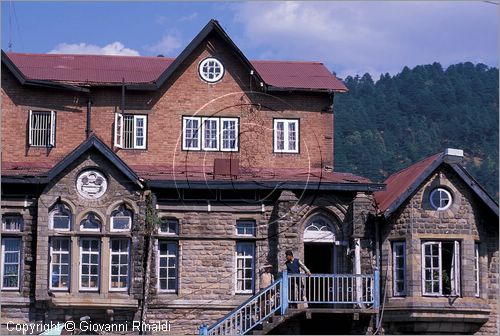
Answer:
[(91, 184)]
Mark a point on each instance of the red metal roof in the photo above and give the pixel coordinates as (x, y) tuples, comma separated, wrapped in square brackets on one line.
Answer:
[(400, 182), (181, 173), (167, 172), (104, 69)]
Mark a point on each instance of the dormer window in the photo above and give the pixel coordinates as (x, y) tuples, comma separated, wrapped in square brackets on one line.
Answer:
[(211, 70)]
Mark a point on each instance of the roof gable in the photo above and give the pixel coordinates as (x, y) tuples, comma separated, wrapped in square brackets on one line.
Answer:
[(71, 72), (93, 142), (404, 183)]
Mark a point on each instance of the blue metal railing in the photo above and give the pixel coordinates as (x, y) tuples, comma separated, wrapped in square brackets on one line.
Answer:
[(249, 314), (361, 290)]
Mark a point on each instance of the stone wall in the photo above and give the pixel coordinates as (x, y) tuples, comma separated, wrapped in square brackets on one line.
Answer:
[(466, 221)]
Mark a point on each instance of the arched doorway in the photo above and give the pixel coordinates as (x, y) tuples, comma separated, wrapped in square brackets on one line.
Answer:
[(324, 249)]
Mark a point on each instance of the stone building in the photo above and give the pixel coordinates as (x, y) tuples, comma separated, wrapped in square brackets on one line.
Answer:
[(154, 189)]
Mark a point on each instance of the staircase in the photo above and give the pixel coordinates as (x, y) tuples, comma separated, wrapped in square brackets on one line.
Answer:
[(268, 308)]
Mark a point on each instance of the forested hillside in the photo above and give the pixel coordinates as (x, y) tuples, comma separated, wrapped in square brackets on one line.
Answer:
[(383, 126)]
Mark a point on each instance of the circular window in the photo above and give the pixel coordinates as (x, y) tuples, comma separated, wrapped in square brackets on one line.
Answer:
[(440, 199), (211, 70)]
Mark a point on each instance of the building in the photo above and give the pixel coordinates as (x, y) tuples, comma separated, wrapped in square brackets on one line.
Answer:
[(154, 189)]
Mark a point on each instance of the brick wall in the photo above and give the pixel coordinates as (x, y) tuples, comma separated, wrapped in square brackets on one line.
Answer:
[(183, 94)]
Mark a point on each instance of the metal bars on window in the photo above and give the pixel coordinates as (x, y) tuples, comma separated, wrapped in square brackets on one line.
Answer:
[(42, 126)]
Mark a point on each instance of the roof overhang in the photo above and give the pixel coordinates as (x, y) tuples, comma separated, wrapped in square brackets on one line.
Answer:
[(265, 185)]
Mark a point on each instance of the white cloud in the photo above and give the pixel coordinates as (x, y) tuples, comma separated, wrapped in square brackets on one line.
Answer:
[(371, 36), (115, 48), (168, 45), (189, 17)]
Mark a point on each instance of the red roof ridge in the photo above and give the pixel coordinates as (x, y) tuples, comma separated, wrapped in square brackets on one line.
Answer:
[(433, 156)]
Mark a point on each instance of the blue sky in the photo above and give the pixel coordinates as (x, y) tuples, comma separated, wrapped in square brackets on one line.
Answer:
[(349, 37)]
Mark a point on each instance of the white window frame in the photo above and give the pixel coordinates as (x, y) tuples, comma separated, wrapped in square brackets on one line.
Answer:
[(91, 230), (10, 216), (129, 218), (244, 258), (243, 223), (286, 135), (236, 134), (204, 76), (51, 142), (438, 207), (119, 128), (52, 252), (169, 257), (217, 134), (98, 253), (2, 264), (477, 283), (55, 210), (119, 254), (395, 269), (166, 219), (184, 122), (455, 269)]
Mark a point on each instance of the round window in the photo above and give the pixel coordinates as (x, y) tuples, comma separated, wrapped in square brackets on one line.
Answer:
[(211, 70), (440, 199)]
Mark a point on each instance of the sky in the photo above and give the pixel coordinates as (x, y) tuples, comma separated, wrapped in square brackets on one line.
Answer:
[(350, 38)]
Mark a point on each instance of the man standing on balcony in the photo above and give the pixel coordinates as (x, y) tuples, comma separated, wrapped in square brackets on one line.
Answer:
[(293, 266)]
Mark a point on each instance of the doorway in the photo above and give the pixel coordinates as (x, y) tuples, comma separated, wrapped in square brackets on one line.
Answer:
[(319, 257)]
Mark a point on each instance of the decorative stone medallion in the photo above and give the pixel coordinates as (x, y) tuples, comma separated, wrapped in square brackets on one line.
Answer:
[(91, 184)]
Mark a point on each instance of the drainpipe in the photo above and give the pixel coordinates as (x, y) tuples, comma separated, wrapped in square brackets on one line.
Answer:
[(88, 129), (378, 268)]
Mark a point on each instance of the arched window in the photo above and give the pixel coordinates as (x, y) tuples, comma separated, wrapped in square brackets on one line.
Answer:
[(60, 217), (91, 222), (319, 230), (121, 219)]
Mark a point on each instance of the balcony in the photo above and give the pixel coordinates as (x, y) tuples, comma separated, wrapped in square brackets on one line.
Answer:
[(295, 293)]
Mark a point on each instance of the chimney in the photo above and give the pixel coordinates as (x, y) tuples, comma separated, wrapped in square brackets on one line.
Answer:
[(452, 155)]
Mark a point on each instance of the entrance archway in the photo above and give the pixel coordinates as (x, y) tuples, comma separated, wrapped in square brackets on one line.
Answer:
[(324, 249)]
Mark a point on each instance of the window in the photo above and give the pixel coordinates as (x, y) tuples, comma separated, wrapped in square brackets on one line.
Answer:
[(169, 226), (121, 219), (229, 128), (286, 135), (90, 223), (440, 199), (42, 129), (130, 131), (211, 70), (244, 267), (476, 268), (245, 228), (89, 263), (210, 132), (216, 133), (60, 218), (12, 222), (11, 258), (398, 268), (119, 261), (167, 266), (59, 263), (441, 268)]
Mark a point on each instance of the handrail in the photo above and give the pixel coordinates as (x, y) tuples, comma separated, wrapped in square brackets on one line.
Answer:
[(250, 313), (358, 289)]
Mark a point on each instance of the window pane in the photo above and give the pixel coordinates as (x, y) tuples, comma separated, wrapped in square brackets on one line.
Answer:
[(245, 227), (210, 135), (244, 266), (12, 223), (169, 225), (167, 265), (89, 269), (120, 263), (59, 266)]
